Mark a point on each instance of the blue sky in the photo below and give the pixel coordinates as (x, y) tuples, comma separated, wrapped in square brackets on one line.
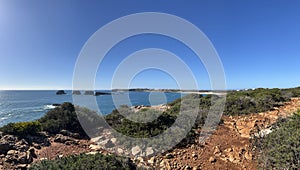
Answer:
[(258, 41)]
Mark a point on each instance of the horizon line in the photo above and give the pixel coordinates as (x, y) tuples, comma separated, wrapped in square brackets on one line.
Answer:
[(56, 89)]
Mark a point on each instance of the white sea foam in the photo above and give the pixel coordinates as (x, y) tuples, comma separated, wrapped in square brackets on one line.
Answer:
[(39, 110), (49, 106), (3, 118)]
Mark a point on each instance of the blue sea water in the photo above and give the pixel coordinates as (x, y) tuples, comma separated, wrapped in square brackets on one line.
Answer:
[(19, 106)]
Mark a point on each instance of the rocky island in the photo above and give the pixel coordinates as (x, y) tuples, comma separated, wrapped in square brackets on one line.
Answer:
[(60, 92)]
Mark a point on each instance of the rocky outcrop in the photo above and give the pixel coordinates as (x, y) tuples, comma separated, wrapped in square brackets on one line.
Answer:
[(60, 92), (65, 139), (102, 93), (7, 142), (89, 92), (15, 153), (70, 134), (76, 92), (56, 104), (18, 153), (19, 157), (136, 150)]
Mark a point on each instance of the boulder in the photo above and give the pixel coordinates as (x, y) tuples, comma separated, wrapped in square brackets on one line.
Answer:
[(62, 139), (12, 152), (97, 139), (4, 147), (22, 158), (31, 152), (152, 160), (262, 133), (107, 143), (22, 145), (149, 151), (169, 156), (136, 150), (248, 155), (70, 134), (212, 160), (41, 139), (217, 150), (113, 140), (95, 147), (22, 166), (120, 151), (36, 146), (71, 142), (11, 159), (92, 153), (7, 142)]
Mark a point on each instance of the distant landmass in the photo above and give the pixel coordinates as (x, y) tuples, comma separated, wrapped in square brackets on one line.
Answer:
[(165, 90)]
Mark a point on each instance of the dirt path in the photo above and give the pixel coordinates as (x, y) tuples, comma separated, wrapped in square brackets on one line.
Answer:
[(229, 147), (60, 149)]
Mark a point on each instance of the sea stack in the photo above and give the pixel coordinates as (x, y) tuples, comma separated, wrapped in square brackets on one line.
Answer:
[(89, 92), (102, 93), (76, 92), (60, 92)]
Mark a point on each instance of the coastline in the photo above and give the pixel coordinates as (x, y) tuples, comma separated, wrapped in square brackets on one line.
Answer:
[(237, 129)]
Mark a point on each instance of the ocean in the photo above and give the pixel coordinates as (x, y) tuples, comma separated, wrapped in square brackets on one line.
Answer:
[(19, 106)]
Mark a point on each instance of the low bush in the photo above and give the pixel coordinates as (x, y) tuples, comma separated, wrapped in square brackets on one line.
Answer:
[(254, 101), (281, 148), (84, 161), (62, 117), (22, 129)]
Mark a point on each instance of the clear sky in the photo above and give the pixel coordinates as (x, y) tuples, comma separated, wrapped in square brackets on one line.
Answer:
[(258, 41)]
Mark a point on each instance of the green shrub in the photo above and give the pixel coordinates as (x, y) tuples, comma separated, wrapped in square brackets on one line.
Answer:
[(292, 92), (22, 129), (84, 161), (254, 101), (65, 117), (144, 109), (60, 118), (281, 148)]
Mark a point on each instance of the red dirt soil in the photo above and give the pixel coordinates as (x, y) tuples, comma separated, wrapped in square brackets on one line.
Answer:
[(229, 146)]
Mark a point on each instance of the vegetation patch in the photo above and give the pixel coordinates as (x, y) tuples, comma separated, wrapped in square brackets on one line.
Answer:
[(22, 128), (254, 101), (85, 161), (281, 148)]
